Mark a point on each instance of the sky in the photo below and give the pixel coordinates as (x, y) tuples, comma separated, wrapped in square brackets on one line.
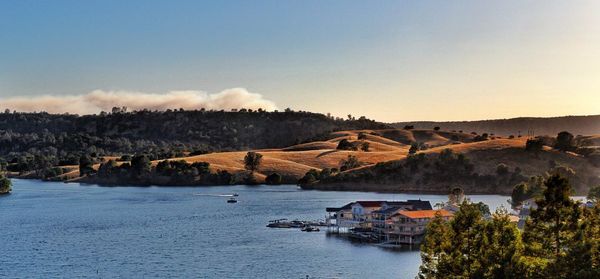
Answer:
[(387, 60)]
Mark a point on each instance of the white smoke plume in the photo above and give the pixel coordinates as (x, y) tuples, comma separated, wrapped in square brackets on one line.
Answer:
[(100, 100)]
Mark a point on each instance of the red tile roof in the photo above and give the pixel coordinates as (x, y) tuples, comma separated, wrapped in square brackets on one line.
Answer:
[(370, 203)]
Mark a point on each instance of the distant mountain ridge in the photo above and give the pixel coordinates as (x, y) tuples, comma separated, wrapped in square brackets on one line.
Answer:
[(577, 125)]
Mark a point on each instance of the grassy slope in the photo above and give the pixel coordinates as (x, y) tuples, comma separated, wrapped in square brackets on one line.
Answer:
[(391, 144)]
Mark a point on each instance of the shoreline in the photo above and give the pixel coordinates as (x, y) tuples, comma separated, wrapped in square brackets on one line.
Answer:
[(346, 187), (394, 188)]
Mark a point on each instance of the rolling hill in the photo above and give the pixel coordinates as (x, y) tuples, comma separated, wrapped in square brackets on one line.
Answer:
[(388, 157), (577, 125)]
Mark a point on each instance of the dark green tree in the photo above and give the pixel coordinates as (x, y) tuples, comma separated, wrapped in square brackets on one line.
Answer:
[(252, 161), (414, 147), (534, 145), (345, 144), (86, 165), (594, 194), (349, 163), (141, 165), (107, 169), (502, 169), (273, 179), (502, 247), (527, 190), (456, 196), (471, 247), (519, 194), (5, 185), (550, 229), (435, 250), (582, 259), (364, 146), (309, 178), (564, 141)]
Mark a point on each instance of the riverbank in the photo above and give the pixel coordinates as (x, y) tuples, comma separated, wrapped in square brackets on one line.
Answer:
[(400, 188), (332, 187)]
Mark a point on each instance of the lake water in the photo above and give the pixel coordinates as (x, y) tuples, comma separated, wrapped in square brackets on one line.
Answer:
[(52, 229)]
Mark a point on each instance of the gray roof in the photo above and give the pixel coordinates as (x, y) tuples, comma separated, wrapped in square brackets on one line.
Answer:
[(411, 204), (336, 209), (392, 205)]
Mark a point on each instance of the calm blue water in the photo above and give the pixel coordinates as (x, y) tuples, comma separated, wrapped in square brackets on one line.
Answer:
[(50, 230)]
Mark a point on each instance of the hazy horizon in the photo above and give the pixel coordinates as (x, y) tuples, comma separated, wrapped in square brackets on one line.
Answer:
[(392, 61)]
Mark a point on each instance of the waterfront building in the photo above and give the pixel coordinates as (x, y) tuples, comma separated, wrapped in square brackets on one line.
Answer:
[(408, 226), (393, 222)]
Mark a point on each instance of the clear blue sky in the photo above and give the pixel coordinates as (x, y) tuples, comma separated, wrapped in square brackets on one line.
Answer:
[(388, 60)]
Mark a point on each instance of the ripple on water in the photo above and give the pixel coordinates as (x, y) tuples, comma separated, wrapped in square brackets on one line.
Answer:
[(67, 230)]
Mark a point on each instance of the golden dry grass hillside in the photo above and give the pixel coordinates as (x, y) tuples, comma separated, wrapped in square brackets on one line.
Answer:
[(393, 144), (390, 145)]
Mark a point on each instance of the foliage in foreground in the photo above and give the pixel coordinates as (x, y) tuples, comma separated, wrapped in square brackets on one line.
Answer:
[(5, 185), (561, 239)]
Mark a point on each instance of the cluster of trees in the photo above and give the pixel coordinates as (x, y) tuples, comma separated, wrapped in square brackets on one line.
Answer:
[(167, 172), (40, 141), (133, 132), (66, 147), (140, 171), (447, 168), (313, 175), (561, 239), (345, 144), (566, 142), (523, 191), (482, 137), (351, 162), (5, 185), (416, 146)]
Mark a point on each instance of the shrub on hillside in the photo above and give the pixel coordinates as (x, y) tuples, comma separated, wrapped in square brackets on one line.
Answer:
[(564, 141), (534, 145), (349, 163), (273, 179), (345, 144)]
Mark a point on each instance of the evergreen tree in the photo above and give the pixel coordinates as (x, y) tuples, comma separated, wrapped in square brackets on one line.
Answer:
[(502, 247), (471, 247), (467, 239), (550, 230), (435, 248), (583, 258)]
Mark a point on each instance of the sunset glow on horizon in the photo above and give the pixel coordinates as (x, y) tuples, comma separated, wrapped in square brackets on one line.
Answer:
[(389, 60)]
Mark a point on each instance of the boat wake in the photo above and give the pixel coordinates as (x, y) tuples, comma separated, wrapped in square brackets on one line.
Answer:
[(215, 195)]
